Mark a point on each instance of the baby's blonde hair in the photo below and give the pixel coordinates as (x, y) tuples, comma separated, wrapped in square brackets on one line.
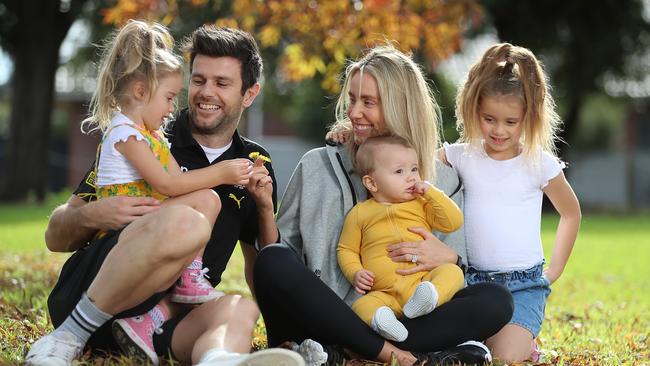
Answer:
[(366, 154), (507, 70), (139, 51), (409, 107)]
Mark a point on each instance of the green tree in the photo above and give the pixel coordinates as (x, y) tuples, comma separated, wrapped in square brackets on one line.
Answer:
[(31, 31), (579, 41)]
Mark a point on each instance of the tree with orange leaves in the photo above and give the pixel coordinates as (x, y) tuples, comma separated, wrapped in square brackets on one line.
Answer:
[(317, 37)]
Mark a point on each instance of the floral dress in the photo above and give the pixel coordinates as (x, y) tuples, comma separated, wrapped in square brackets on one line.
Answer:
[(139, 188)]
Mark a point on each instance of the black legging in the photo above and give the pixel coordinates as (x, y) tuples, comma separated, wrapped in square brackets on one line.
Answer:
[(297, 305)]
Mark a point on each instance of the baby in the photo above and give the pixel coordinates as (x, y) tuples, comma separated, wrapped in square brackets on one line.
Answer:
[(400, 199)]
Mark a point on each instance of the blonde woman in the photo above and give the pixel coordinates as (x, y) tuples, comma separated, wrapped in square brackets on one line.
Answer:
[(302, 293)]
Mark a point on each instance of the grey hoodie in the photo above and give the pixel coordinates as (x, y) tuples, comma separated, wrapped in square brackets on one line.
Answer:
[(321, 191)]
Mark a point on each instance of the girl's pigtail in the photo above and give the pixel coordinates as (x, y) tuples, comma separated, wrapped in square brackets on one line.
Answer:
[(543, 120), (138, 51)]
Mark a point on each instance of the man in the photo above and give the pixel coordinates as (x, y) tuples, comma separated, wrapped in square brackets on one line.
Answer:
[(125, 273)]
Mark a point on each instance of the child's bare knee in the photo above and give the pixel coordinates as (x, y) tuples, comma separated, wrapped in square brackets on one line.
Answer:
[(208, 203), (183, 229)]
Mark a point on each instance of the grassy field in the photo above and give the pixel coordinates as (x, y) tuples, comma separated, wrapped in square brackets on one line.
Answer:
[(598, 313)]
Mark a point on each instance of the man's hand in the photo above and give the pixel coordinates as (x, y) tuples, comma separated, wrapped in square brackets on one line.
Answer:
[(363, 281), (75, 222), (113, 213), (260, 186), (430, 252)]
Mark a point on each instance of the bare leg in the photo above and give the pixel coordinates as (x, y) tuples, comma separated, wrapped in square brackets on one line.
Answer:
[(148, 258), (511, 344), (206, 201), (227, 322)]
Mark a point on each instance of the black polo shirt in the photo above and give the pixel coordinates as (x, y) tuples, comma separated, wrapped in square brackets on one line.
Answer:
[(237, 219)]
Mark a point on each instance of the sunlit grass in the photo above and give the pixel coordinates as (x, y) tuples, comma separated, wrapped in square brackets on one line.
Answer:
[(597, 313)]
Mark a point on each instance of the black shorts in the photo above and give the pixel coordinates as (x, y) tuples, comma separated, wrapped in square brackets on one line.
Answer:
[(77, 274)]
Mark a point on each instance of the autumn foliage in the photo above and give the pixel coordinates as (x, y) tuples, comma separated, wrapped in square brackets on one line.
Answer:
[(317, 37)]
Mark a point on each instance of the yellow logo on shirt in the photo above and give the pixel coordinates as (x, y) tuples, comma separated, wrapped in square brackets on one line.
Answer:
[(91, 179), (236, 200)]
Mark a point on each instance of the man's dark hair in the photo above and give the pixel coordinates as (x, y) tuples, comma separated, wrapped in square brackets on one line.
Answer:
[(213, 41)]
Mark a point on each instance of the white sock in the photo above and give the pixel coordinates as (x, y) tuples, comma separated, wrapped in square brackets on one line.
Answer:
[(311, 351), (84, 320)]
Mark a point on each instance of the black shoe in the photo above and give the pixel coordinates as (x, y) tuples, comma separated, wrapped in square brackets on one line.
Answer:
[(336, 355), (468, 353)]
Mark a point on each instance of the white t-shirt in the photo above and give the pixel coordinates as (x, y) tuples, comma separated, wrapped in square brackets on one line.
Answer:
[(503, 205), (213, 153), (113, 167)]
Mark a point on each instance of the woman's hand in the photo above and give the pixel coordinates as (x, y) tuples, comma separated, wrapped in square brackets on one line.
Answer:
[(363, 281), (429, 252)]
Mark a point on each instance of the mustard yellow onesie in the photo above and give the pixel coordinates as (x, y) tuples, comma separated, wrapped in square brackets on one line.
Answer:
[(371, 226)]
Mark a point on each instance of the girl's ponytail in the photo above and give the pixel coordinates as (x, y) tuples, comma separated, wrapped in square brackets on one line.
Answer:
[(137, 52)]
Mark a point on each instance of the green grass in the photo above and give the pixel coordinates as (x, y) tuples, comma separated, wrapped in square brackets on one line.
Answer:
[(598, 310), (597, 313)]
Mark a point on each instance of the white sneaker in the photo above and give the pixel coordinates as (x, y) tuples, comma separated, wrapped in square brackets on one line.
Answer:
[(423, 301), (54, 350), (266, 357), (386, 324), (311, 351)]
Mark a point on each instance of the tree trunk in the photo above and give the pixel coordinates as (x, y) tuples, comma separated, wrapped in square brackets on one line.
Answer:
[(33, 39), (31, 106)]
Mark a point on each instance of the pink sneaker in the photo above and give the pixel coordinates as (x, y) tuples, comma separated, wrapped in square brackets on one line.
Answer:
[(135, 335), (534, 351), (193, 288)]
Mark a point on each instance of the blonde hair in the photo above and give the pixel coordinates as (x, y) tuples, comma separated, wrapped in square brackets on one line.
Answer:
[(409, 108), (365, 157), (139, 51), (507, 70)]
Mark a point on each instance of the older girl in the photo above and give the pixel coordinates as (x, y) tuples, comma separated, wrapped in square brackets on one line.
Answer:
[(506, 160)]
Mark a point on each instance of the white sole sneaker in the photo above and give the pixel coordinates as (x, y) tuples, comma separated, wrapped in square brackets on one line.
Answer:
[(131, 344), (388, 326), (488, 355), (273, 356), (423, 301), (195, 299)]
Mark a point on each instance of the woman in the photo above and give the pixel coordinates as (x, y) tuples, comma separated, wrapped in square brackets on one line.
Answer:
[(299, 287)]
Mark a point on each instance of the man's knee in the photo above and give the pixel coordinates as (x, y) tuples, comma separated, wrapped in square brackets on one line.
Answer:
[(229, 308), (248, 308)]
